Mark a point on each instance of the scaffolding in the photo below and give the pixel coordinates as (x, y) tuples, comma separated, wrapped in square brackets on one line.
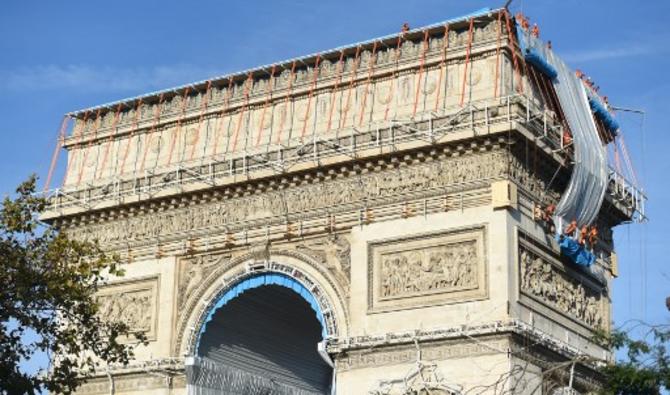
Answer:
[(481, 117)]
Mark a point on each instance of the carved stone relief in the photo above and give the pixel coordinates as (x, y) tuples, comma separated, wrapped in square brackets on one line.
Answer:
[(330, 193), (132, 302), (543, 281), (427, 269), (192, 271), (334, 253)]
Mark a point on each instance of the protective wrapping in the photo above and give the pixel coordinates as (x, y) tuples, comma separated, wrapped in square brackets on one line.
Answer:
[(583, 197)]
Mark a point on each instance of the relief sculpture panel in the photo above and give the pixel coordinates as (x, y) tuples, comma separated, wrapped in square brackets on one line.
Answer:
[(427, 269), (131, 302), (547, 283)]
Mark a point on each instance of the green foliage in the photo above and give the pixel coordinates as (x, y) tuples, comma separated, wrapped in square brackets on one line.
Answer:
[(47, 301), (646, 366)]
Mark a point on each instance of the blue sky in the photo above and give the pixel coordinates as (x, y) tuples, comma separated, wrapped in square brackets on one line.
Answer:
[(59, 56)]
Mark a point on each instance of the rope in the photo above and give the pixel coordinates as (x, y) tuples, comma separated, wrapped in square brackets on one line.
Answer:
[(265, 105), (315, 75), (371, 68), (626, 158), (467, 60), (149, 138), (497, 72), (514, 57), (394, 75), (422, 62), (224, 109), (111, 137), (443, 68), (203, 107), (286, 99), (96, 124), (343, 119), (247, 88), (184, 100), (340, 66), (81, 132), (60, 140), (133, 129)]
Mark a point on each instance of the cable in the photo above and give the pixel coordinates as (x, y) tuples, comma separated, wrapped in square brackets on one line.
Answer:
[(467, 60)]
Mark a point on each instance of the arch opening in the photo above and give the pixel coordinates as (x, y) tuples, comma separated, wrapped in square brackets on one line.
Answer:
[(261, 337)]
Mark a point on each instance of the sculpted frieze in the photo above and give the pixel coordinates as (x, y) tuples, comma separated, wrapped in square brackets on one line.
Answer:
[(327, 194), (334, 253), (131, 302), (427, 269), (543, 281), (193, 271)]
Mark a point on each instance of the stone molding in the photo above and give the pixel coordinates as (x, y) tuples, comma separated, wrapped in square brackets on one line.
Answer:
[(427, 269)]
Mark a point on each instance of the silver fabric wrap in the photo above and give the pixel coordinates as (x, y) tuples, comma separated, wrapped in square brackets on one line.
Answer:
[(583, 197), (207, 377)]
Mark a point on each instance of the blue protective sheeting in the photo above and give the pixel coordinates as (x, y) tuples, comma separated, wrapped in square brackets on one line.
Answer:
[(536, 59), (259, 281), (601, 112), (575, 251)]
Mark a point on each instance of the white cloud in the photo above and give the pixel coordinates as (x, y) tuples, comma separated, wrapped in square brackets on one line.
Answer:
[(625, 51), (102, 79)]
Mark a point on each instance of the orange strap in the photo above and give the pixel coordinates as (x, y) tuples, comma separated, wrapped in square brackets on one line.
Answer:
[(184, 100), (60, 139), (247, 89), (224, 109), (315, 75), (268, 97), (421, 64), (111, 138), (514, 59), (203, 107), (495, 80), (443, 68), (96, 124), (340, 67), (81, 133), (149, 136), (393, 76), (467, 60), (371, 68), (286, 100), (133, 128), (343, 119)]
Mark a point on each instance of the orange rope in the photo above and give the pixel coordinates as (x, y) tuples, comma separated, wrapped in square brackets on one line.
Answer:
[(265, 105), (247, 88), (515, 61), (133, 129), (421, 64), (315, 75), (111, 138), (60, 139), (371, 68), (286, 99), (393, 76), (184, 101), (149, 136), (203, 107), (96, 124), (343, 119), (340, 66), (443, 69), (81, 132), (467, 60), (224, 109), (497, 74)]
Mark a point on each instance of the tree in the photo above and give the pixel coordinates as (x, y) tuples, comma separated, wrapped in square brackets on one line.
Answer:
[(646, 366), (48, 284)]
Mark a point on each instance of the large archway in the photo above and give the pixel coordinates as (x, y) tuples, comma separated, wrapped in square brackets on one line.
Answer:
[(261, 337)]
